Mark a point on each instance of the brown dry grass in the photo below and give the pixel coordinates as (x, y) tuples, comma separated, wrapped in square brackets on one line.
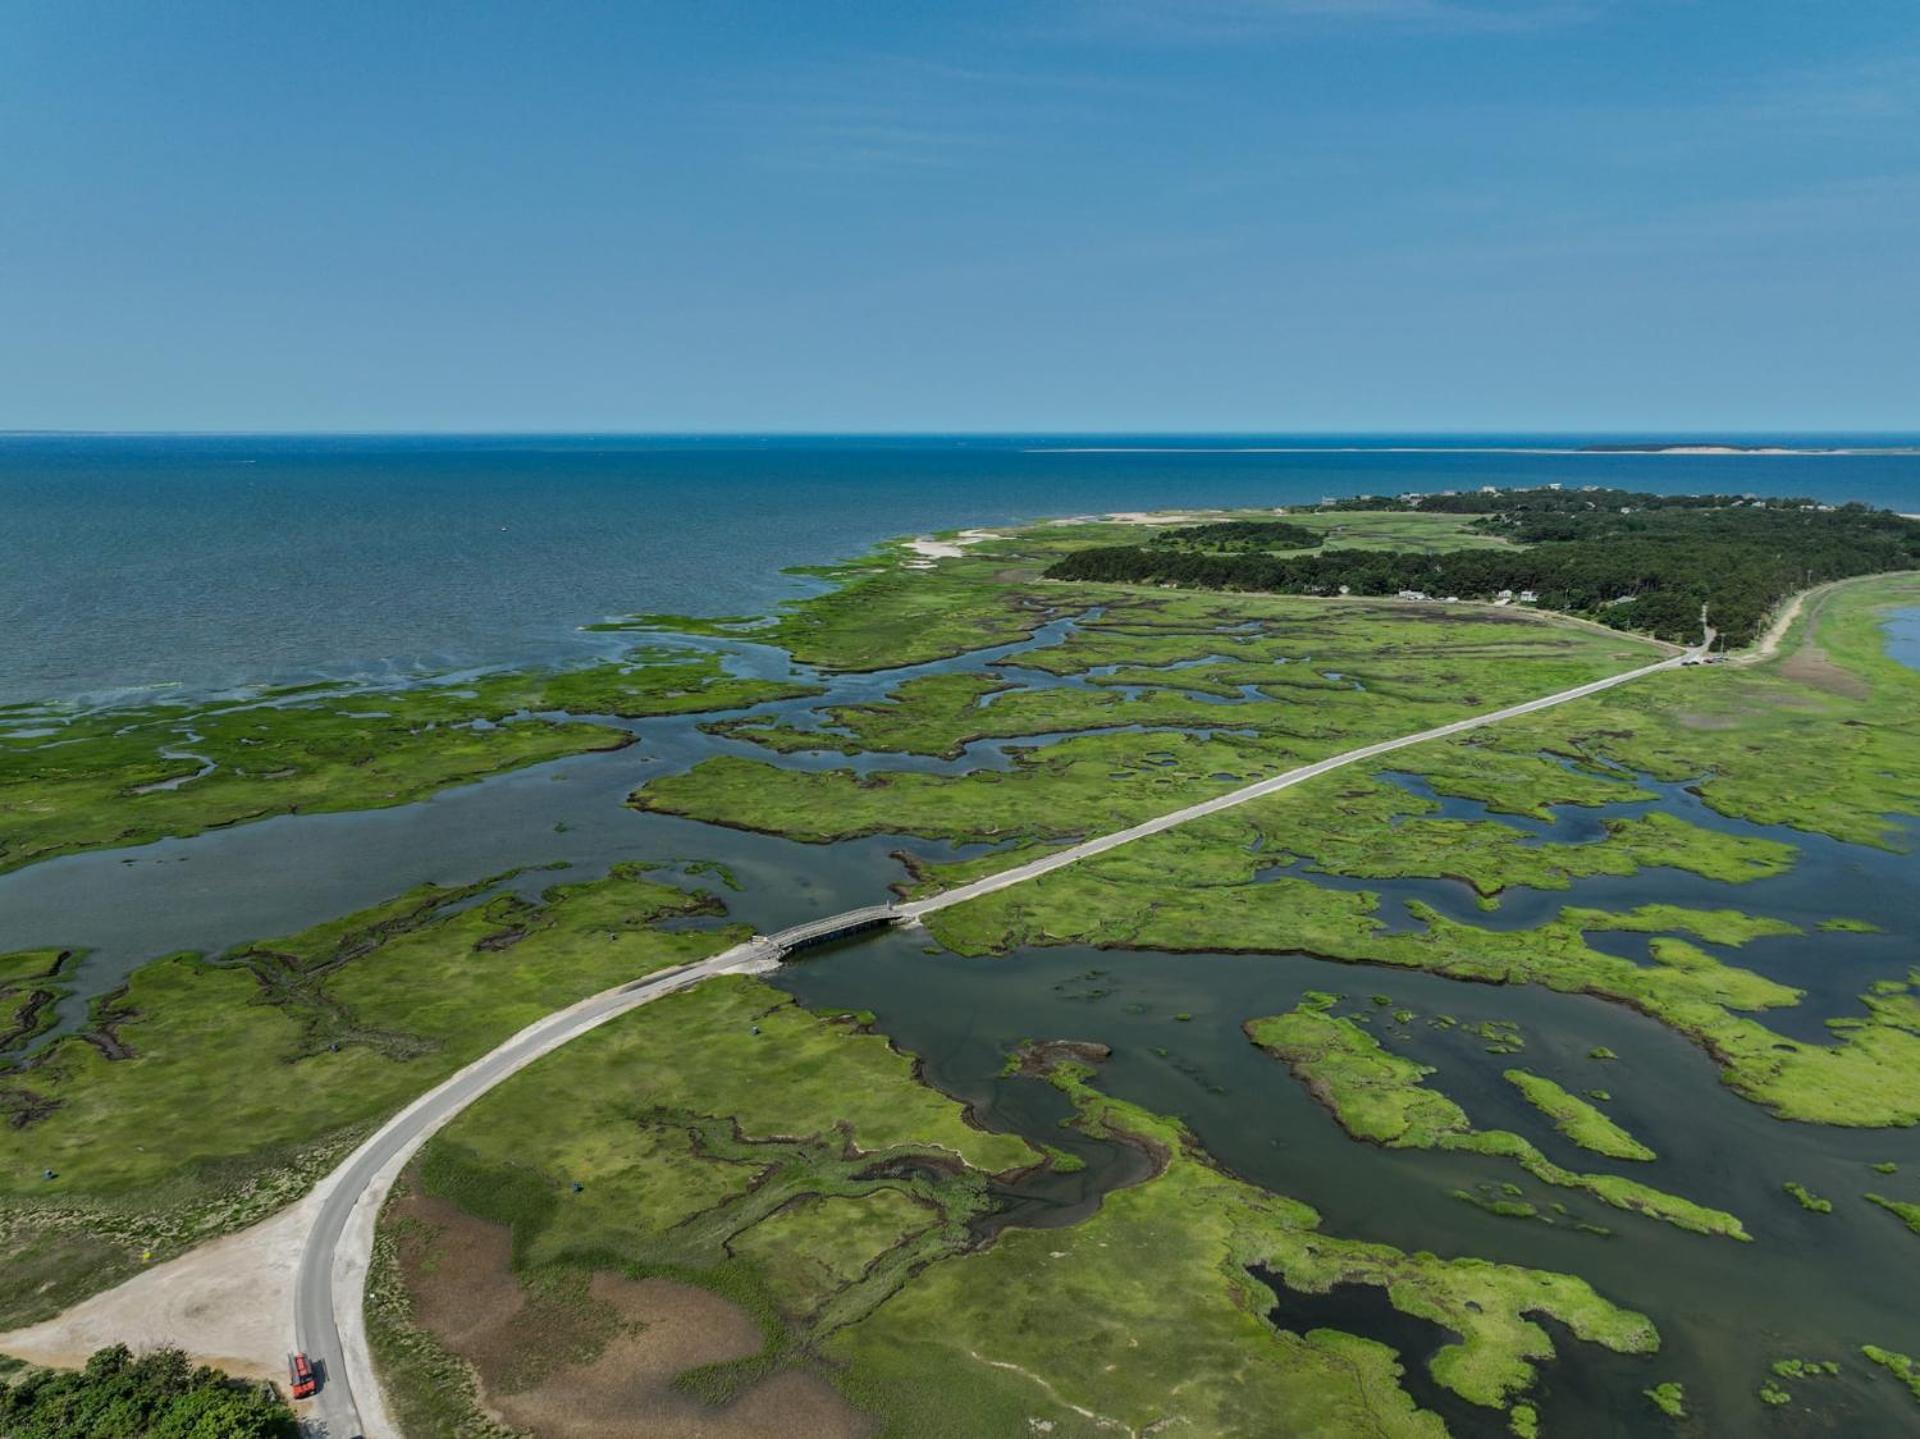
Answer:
[(1810, 665), (612, 1377)]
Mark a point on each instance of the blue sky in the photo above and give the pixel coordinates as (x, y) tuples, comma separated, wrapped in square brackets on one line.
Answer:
[(1279, 215)]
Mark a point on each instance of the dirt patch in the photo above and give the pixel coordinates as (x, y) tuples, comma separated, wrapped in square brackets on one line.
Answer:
[(1810, 665), (1708, 722), (1037, 1056), (624, 1341)]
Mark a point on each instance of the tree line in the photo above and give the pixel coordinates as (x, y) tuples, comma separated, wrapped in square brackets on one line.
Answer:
[(160, 1395), (1241, 535), (1645, 563)]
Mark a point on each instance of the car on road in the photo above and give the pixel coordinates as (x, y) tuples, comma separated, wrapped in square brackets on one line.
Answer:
[(303, 1383)]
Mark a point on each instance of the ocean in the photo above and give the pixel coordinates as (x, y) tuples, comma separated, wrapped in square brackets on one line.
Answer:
[(149, 566)]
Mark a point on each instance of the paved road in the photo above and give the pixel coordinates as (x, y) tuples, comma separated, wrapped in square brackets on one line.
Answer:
[(330, 1289), (1072, 854), (329, 1293)]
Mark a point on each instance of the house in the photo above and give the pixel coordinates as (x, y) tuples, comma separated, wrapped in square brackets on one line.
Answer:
[(1411, 595), (1527, 597)]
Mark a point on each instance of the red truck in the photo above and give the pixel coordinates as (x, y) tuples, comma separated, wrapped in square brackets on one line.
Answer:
[(300, 1371)]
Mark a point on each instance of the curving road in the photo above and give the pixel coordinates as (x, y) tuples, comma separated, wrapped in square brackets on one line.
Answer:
[(330, 1289)]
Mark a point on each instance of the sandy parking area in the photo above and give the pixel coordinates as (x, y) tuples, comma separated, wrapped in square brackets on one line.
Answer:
[(228, 1303)]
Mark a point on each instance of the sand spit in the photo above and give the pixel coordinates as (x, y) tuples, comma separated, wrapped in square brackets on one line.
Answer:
[(929, 549)]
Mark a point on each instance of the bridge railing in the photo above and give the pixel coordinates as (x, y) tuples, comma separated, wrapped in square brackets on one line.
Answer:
[(821, 931)]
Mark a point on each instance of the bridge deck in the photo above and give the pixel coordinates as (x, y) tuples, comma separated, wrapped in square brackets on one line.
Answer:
[(820, 931)]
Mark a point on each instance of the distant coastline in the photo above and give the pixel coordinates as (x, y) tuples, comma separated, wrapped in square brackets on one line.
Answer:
[(1730, 449), (1693, 450)]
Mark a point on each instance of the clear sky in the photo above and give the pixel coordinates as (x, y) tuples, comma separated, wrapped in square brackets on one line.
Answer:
[(1276, 215)]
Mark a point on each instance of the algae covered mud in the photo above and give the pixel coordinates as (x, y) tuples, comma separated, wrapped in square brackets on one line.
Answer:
[(1561, 1077)]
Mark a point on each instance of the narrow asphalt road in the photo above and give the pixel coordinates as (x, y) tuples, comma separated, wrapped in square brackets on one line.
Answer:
[(330, 1290)]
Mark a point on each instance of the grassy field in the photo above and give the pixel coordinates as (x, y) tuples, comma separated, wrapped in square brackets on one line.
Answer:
[(1405, 530), (1825, 738), (883, 610), (79, 780), (1325, 678), (1147, 1315), (1301, 670), (307, 1042), (721, 1137)]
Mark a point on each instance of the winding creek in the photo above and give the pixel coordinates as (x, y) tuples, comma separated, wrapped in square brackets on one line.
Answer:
[(1809, 1285)]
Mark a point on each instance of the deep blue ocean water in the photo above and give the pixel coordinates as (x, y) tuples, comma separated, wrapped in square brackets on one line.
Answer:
[(168, 564)]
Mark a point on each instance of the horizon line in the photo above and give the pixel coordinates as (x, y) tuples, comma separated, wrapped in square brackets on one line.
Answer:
[(960, 434)]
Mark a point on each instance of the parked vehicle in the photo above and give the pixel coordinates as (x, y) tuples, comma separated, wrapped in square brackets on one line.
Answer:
[(304, 1383)]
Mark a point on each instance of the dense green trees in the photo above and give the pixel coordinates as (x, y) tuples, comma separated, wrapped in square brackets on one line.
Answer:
[(155, 1396), (1639, 562), (1242, 535)]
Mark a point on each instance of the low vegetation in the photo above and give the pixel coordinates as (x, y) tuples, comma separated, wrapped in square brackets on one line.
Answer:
[(30, 984), (73, 780), (1382, 1097), (1822, 741), (1072, 1328), (1670, 1398), (1578, 1120), (1907, 1213), (1900, 1366), (1188, 697), (308, 1041), (1231, 882), (788, 1161), (721, 1137), (1807, 1199)]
